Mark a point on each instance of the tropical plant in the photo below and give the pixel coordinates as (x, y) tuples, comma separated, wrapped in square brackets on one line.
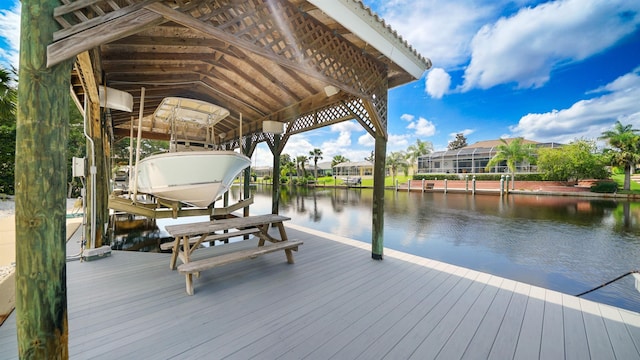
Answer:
[(572, 162), (8, 97), (288, 169), (512, 151), (315, 155), (338, 159), (420, 148), (626, 150), (300, 161), (396, 160)]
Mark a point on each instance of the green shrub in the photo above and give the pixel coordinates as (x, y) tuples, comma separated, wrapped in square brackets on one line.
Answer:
[(608, 187), (436, 177), (479, 177), (7, 159)]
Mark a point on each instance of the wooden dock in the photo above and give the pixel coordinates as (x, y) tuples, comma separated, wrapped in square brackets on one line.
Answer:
[(334, 302)]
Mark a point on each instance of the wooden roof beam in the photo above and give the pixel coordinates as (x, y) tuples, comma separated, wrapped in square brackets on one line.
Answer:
[(196, 24), (105, 32)]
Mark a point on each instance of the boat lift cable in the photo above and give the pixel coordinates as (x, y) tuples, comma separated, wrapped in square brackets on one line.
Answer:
[(610, 282)]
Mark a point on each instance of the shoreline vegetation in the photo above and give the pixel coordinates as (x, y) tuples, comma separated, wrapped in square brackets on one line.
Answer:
[(405, 183)]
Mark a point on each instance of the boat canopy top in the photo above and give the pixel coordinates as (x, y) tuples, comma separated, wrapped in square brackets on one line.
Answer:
[(189, 110)]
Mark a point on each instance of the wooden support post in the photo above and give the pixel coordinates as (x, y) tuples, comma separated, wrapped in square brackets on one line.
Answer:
[(40, 177), (275, 191), (247, 175), (377, 241)]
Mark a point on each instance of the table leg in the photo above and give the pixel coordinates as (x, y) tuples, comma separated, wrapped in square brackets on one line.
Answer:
[(186, 250), (174, 254), (283, 234), (189, 280), (289, 254)]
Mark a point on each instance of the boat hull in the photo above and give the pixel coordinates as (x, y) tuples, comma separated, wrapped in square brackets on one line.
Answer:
[(196, 177)]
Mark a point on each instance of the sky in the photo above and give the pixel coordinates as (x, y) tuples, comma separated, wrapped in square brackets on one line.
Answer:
[(548, 71)]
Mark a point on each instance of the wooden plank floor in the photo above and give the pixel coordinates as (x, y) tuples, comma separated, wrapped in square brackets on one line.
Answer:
[(333, 303)]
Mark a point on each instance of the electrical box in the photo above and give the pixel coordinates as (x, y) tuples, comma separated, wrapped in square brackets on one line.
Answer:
[(78, 167)]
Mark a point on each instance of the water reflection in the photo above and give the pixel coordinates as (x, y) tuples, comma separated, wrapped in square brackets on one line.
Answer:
[(135, 233), (562, 243)]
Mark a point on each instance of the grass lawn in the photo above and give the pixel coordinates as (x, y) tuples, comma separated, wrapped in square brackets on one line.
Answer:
[(388, 181), (619, 178)]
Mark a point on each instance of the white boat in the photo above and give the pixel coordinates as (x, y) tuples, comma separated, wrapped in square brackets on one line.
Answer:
[(193, 177)]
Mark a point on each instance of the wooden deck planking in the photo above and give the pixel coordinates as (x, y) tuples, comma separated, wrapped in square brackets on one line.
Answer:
[(466, 329), (402, 330), (329, 338), (263, 295), (335, 302), (530, 336), (618, 333), (552, 342), (597, 336), (438, 332), (575, 335), (240, 324), (357, 298), (485, 334), (506, 340), (366, 333)]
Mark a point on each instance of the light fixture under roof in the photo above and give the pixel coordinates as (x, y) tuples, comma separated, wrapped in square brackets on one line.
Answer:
[(274, 127), (331, 90)]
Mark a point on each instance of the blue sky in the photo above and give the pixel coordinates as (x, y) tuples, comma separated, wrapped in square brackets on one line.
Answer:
[(547, 71)]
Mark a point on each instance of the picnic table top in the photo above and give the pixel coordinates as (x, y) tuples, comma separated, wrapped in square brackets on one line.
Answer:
[(204, 227)]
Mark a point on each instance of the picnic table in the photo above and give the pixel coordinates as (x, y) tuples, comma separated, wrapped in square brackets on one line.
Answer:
[(189, 237)]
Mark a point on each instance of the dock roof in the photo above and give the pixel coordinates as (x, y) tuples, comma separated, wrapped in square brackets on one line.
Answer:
[(267, 60)]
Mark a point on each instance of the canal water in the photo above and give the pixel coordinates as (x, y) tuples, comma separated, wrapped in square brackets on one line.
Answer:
[(567, 244), (562, 243)]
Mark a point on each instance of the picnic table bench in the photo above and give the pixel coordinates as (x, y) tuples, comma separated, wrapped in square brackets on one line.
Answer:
[(189, 237)]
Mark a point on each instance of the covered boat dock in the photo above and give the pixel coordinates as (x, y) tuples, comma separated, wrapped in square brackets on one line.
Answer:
[(281, 66), (284, 67)]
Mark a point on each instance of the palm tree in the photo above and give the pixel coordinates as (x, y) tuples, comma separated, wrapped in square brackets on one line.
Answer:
[(420, 148), (8, 97), (300, 161), (338, 159), (395, 161), (512, 152), (287, 169), (315, 155), (625, 140)]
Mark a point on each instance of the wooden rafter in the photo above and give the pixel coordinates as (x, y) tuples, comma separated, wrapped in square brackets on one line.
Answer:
[(262, 59)]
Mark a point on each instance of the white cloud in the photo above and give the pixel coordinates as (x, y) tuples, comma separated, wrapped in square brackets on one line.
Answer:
[(262, 156), (346, 126), (10, 33), (438, 82), (465, 133), (407, 117), (298, 145), (338, 146), (439, 30), (587, 118), (423, 127), (366, 140), (524, 48), (397, 142)]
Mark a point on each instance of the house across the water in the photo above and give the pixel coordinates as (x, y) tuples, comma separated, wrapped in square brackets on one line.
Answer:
[(473, 159)]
